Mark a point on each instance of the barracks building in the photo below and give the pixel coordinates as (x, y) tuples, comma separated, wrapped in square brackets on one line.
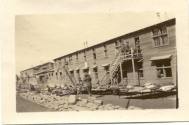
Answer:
[(145, 55)]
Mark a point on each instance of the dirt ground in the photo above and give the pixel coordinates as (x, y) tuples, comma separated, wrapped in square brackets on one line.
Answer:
[(153, 103), (23, 105)]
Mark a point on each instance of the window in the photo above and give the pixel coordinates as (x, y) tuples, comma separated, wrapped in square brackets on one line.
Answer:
[(65, 61), (117, 44), (44, 68), (72, 73), (163, 68), (137, 41), (85, 55), (77, 56), (78, 74), (105, 51), (56, 75), (94, 54), (160, 36), (77, 71), (117, 47), (86, 70), (163, 30), (70, 58), (56, 64), (137, 45), (59, 63), (140, 69), (95, 70), (122, 42), (107, 69)]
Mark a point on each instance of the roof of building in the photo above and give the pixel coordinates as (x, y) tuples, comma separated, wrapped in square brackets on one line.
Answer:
[(170, 21), (37, 66)]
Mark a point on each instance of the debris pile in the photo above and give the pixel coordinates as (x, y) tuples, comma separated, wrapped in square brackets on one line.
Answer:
[(68, 103), (150, 87)]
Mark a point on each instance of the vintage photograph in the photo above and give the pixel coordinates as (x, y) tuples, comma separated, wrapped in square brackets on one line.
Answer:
[(96, 62)]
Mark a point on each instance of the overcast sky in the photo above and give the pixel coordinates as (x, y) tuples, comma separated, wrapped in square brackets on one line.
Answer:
[(41, 38)]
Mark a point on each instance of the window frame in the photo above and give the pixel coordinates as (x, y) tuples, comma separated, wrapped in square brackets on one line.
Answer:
[(94, 54), (105, 51), (159, 36), (163, 67), (77, 56), (95, 71), (84, 55), (140, 69)]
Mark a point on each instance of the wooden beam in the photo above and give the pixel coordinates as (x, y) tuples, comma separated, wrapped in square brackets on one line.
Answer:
[(121, 71), (133, 65)]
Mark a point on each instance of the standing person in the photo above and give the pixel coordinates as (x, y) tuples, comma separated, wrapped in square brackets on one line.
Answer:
[(79, 86), (87, 82), (127, 48)]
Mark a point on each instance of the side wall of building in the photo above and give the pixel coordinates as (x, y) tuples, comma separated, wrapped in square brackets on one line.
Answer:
[(150, 72), (105, 53)]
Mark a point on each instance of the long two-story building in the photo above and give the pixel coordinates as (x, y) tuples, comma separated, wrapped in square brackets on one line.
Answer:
[(151, 57), (145, 55)]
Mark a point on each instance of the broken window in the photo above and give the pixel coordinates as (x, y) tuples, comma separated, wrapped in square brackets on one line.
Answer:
[(163, 68), (160, 37)]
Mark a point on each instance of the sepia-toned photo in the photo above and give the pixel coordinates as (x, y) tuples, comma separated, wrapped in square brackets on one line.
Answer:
[(96, 62)]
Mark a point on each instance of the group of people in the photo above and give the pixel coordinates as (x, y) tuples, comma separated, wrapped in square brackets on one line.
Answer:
[(126, 49)]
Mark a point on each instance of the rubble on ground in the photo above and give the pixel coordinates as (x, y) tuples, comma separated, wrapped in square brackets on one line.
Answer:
[(68, 103), (167, 88), (150, 87), (61, 99)]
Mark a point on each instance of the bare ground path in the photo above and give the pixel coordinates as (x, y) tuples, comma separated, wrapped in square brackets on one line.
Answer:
[(168, 102), (23, 105)]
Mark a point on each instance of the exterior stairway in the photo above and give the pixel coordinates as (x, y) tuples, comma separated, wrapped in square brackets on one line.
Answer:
[(115, 66), (71, 79), (105, 81)]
